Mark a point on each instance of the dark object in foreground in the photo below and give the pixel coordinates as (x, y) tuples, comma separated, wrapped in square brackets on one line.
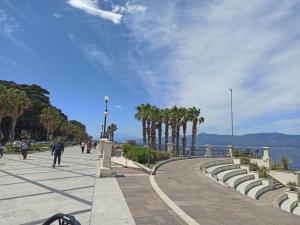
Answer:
[(62, 219)]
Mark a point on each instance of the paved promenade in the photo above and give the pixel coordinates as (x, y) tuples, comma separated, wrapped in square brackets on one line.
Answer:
[(32, 191), (210, 203)]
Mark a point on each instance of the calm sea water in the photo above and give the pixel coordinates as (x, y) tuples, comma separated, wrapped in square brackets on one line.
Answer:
[(292, 153)]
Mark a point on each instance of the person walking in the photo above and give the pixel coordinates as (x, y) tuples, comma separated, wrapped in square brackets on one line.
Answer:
[(88, 147), (24, 148), (82, 146), (57, 149)]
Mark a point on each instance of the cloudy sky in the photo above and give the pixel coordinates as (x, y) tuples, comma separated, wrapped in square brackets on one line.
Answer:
[(187, 53)]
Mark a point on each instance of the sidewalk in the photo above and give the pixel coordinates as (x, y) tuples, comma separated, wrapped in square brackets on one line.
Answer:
[(120, 160)]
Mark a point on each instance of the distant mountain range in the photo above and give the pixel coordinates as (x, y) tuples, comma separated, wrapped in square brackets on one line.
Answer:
[(256, 140)]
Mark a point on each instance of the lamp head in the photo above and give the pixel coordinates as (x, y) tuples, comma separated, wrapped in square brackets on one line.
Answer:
[(106, 98)]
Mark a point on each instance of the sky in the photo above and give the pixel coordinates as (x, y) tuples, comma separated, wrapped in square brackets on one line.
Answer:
[(183, 52)]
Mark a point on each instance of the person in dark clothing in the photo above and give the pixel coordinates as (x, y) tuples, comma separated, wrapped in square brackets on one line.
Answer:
[(2, 145), (24, 148), (57, 150)]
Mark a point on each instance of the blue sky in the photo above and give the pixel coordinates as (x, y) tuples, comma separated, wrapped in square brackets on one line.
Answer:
[(167, 52)]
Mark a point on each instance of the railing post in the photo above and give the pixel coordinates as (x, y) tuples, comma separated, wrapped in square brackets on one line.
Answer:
[(207, 150), (105, 156), (230, 151), (170, 147), (266, 157)]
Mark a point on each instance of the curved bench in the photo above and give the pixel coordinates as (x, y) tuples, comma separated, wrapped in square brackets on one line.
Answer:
[(289, 205), (217, 169), (257, 191), (225, 175), (236, 180), (296, 211), (247, 185), (282, 199), (215, 163)]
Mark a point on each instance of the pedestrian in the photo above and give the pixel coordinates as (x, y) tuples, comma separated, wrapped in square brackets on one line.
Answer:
[(24, 148), (95, 144), (82, 146), (88, 147), (57, 150)]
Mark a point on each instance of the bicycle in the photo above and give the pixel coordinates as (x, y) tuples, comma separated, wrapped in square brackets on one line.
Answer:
[(62, 219)]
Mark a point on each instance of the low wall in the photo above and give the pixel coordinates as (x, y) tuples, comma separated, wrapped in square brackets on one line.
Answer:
[(284, 177)]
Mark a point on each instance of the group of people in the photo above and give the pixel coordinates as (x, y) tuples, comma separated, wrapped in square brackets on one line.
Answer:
[(88, 146), (57, 148)]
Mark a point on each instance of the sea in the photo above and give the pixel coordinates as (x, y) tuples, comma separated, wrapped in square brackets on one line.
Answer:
[(293, 155)]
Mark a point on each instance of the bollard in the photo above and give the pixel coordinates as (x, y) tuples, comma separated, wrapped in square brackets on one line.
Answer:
[(230, 151), (207, 150), (170, 147), (105, 168)]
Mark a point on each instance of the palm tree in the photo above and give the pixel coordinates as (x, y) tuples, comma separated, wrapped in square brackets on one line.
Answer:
[(51, 119), (19, 103), (176, 116), (195, 113), (5, 104), (166, 119), (187, 116), (141, 115), (66, 128), (113, 128), (159, 126), (153, 112)]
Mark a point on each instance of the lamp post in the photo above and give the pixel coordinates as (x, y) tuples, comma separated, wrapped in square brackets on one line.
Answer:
[(106, 99), (231, 116), (101, 135)]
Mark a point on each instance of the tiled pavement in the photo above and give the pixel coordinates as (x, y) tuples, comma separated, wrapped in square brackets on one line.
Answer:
[(145, 205), (210, 203), (32, 191)]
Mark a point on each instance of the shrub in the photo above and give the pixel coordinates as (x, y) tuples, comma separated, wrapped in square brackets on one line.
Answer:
[(236, 153), (292, 185), (245, 161), (253, 166), (132, 142), (285, 163), (263, 172)]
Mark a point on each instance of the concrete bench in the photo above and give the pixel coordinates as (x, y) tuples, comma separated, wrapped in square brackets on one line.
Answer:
[(217, 169), (215, 163), (236, 180), (225, 175)]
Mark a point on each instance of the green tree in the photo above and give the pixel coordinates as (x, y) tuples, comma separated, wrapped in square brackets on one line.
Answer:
[(51, 119), (5, 104), (166, 119), (19, 102), (141, 115), (187, 116), (196, 118)]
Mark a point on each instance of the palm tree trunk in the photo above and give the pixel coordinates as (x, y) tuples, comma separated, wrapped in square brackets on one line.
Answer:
[(184, 138), (159, 135), (13, 125), (166, 134), (194, 132), (144, 132), (173, 133), (112, 136), (148, 131), (177, 138), (153, 135)]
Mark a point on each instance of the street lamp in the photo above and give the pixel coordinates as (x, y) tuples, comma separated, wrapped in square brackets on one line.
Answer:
[(106, 99), (231, 115)]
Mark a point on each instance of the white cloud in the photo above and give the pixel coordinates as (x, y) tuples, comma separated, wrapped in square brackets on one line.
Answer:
[(199, 50), (118, 106), (128, 8), (8, 29), (8, 25), (9, 61), (97, 56), (91, 7), (57, 15)]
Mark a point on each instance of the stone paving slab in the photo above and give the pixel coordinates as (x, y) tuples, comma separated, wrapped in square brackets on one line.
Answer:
[(145, 205), (210, 203), (32, 191)]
